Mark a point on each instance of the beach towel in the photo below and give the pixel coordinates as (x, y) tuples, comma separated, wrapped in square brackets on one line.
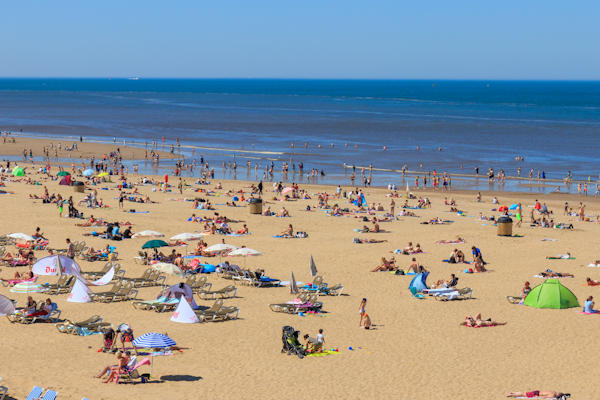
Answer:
[(549, 240), (483, 326), (82, 331), (589, 313), (551, 277), (560, 258), (464, 262), (321, 354)]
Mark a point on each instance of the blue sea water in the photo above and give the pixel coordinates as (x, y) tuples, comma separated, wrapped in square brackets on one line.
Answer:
[(554, 125)]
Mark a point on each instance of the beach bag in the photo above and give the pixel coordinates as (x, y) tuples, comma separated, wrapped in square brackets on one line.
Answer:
[(356, 240), (301, 234)]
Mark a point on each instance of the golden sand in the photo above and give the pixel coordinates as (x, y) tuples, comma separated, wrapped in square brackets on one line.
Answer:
[(417, 351)]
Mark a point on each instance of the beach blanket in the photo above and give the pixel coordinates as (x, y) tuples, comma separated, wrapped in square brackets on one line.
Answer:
[(82, 331), (589, 313), (321, 354), (549, 240), (464, 262), (560, 258), (593, 265)]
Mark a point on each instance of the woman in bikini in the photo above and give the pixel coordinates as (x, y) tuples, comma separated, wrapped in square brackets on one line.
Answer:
[(362, 310), (541, 394), (478, 322)]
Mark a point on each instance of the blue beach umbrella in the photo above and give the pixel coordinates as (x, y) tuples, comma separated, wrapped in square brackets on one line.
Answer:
[(89, 172), (152, 340)]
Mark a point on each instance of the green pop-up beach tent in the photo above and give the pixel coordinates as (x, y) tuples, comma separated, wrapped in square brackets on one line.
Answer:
[(18, 171), (551, 294)]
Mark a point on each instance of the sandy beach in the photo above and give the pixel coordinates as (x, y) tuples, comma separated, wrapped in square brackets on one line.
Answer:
[(417, 349)]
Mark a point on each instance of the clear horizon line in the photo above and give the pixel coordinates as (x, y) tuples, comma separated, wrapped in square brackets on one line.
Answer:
[(135, 77)]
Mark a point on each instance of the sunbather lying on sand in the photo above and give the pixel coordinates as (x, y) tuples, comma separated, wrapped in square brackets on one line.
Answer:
[(541, 394), (479, 322), (565, 256), (551, 274), (589, 281), (386, 265), (358, 240), (18, 278), (458, 240)]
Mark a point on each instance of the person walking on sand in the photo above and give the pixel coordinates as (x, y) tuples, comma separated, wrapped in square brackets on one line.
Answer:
[(362, 310), (519, 215)]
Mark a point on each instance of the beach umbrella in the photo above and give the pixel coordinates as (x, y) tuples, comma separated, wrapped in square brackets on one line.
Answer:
[(188, 236), (168, 268), (551, 294), (152, 340), (27, 287), (287, 190), (18, 171), (244, 252), (88, 172), (148, 234), (63, 173), (102, 174), (293, 285), (20, 236), (7, 307), (56, 265), (220, 247), (154, 244), (312, 266)]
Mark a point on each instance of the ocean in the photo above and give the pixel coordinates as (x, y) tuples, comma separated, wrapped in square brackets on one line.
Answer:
[(456, 125)]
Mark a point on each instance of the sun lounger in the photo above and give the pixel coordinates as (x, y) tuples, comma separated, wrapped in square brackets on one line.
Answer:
[(304, 302), (64, 285), (104, 270), (21, 318), (224, 293), (435, 292), (35, 393), (460, 294), (514, 299), (223, 314), (93, 324), (161, 304), (124, 293), (150, 277), (133, 370), (109, 293), (204, 314), (198, 283)]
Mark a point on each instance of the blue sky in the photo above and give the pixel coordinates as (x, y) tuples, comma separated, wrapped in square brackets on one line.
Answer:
[(526, 39)]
